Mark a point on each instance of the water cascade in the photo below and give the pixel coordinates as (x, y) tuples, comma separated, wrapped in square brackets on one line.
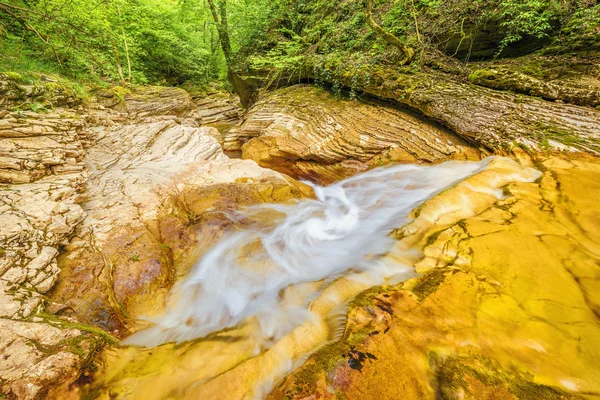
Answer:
[(251, 272)]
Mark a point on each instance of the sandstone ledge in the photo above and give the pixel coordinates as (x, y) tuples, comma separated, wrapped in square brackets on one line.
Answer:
[(308, 133)]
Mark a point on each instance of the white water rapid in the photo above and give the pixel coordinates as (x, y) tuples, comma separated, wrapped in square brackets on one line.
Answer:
[(344, 230)]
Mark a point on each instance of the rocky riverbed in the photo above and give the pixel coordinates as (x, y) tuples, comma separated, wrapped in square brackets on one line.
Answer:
[(104, 208)]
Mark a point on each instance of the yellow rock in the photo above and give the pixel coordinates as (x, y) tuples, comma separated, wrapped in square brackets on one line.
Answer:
[(506, 308), (518, 320)]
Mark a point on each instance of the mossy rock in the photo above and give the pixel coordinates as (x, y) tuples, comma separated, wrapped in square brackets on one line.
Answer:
[(472, 377)]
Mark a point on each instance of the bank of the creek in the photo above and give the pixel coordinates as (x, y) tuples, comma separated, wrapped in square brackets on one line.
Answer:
[(162, 246)]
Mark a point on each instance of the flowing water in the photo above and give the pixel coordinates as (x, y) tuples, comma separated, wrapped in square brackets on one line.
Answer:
[(275, 290), (345, 228)]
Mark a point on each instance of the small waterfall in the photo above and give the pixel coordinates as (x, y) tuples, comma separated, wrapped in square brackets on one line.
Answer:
[(270, 272)]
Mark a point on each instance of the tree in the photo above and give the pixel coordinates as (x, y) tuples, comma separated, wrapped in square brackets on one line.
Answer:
[(246, 91)]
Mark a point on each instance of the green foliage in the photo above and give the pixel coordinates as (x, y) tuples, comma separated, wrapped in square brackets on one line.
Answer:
[(175, 42), (582, 31), (525, 17), (319, 32), (37, 107), (169, 42)]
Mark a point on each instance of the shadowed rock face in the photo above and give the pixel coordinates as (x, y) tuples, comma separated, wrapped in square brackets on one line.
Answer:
[(558, 78), (306, 132), (146, 101), (15, 91), (499, 121)]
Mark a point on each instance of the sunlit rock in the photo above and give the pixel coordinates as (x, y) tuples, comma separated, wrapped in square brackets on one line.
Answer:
[(507, 297), (307, 132)]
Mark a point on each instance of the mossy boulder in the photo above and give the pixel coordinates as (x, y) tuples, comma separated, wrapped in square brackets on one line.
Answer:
[(19, 91)]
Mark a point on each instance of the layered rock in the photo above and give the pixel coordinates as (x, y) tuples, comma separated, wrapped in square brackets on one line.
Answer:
[(157, 190), (16, 91), (506, 293), (39, 212), (306, 132), (146, 101), (99, 213), (551, 78), (35, 145), (217, 107), (499, 121)]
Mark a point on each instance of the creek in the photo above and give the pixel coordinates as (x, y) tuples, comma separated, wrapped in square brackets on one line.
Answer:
[(276, 287)]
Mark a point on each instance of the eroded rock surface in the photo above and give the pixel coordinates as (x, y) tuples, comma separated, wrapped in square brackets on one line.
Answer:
[(306, 132), (146, 101), (217, 107), (16, 91), (499, 121), (97, 211), (507, 294), (35, 145), (155, 190), (553, 78), (39, 213), (41, 359)]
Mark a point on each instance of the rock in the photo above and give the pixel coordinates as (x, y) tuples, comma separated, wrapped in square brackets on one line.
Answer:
[(156, 194), (35, 145), (41, 361), (217, 107), (307, 133), (146, 101), (234, 364), (99, 211), (556, 79), (506, 292), (498, 121), (37, 218), (43, 156), (15, 91)]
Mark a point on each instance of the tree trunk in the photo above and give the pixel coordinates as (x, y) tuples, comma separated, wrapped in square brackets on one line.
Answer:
[(246, 91), (408, 52), (496, 120), (118, 61), (126, 46), (219, 14)]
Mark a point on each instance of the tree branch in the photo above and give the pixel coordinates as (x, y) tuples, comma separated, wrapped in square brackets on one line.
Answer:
[(408, 52)]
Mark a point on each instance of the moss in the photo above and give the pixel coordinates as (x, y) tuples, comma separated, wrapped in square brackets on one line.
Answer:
[(429, 283), (14, 76), (533, 68), (460, 372), (570, 140), (305, 380), (482, 74), (545, 144), (325, 360), (63, 324), (365, 299), (122, 310), (120, 92)]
